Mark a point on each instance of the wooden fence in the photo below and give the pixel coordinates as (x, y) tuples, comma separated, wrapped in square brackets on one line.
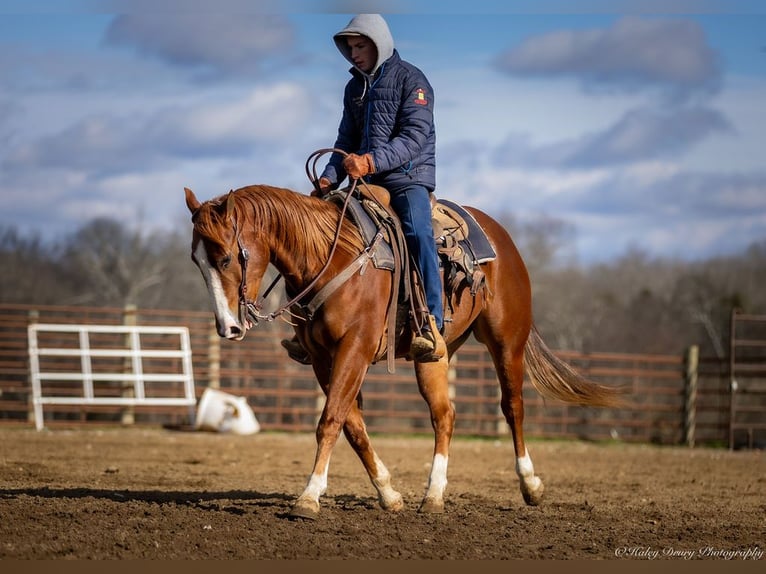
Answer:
[(747, 380), (676, 399)]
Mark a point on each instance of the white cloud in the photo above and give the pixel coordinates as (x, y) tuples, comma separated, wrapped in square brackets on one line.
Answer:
[(270, 113), (220, 42), (633, 53), (122, 143), (640, 134), (742, 148)]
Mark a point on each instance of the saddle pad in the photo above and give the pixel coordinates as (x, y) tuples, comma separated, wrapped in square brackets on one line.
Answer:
[(382, 256), (477, 239)]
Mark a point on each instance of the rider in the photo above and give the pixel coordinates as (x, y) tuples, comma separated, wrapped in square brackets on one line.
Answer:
[(387, 130)]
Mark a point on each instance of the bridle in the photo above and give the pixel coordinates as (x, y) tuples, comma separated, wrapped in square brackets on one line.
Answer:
[(249, 310)]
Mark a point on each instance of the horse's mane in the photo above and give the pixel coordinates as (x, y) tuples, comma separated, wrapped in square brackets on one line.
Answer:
[(298, 223)]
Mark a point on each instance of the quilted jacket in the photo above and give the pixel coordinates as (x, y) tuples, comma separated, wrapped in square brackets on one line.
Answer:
[(388, 113)]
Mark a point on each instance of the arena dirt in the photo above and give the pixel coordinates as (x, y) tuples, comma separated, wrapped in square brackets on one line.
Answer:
[(162, 494)]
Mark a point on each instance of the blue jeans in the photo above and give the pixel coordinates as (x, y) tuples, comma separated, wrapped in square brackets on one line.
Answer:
[(413, 206)]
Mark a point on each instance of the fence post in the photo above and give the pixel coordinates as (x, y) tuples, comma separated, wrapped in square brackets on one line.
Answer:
[(34, 317), (127, 416), (732, 374), (213, 357), (690, 403)]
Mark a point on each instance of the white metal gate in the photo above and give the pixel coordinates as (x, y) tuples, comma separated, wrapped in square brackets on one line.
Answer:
[(136, 383)]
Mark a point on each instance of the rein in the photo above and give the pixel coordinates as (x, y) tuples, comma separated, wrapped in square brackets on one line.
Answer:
[(251, 310)]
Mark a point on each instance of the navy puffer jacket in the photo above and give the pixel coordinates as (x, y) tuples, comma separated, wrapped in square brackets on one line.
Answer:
[(390, 115)]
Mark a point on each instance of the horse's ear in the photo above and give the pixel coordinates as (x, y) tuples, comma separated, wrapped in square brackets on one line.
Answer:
[(230, 205), (191, 200)]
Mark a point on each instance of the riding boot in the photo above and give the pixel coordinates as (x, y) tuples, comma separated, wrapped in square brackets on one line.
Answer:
[(429, 346), (296, 351)]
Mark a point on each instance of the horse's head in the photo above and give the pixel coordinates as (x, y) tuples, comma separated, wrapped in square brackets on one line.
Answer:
[(232, 262)]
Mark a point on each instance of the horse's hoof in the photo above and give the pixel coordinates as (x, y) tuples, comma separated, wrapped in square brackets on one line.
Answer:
[(533, 497), (394, 505), (431, 506), (306, 509)]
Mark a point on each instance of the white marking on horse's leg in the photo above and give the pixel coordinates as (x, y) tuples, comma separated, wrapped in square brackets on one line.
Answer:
[(307, 505), (531, 485), (388, 498), (437, 483), (316, 486)]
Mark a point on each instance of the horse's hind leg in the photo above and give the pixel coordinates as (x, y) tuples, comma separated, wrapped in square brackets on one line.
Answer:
[(432, 382), (508, 357), (356, 434), (509, 364)]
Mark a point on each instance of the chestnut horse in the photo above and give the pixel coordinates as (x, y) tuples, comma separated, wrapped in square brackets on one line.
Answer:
[(238, 234)]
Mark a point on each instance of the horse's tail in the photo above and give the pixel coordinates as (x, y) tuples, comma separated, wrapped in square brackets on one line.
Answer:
[(555, 379)]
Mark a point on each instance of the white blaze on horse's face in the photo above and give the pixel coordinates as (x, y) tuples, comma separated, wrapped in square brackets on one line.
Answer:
[(227, 324)]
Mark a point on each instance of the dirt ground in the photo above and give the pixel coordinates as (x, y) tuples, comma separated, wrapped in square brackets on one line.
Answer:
[(162, 494)]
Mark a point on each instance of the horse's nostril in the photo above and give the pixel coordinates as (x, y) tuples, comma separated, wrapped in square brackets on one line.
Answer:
[(228, 331)]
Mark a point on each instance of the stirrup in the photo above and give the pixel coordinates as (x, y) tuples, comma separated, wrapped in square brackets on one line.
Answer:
[(296, 351), (429, 346)]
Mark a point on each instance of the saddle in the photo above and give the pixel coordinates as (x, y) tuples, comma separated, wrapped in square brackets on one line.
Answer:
[(461, 243)]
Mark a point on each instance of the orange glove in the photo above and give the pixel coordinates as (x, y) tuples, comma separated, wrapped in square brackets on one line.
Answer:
[(324, 186), (357, 166)]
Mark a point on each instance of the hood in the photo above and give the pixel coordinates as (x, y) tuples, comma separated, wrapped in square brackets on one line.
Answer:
[(375, 28)]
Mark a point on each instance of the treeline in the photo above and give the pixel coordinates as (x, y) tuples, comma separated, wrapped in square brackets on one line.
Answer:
[(633, 304), (104, 263)]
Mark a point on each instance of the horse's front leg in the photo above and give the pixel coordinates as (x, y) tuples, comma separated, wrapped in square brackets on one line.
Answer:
[(356, 435), (346, 376), (432, 381)]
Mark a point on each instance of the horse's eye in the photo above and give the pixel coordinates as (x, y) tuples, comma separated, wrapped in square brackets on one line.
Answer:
[(225, 261)]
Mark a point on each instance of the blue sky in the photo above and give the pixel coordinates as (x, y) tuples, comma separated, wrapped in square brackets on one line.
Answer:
[(641, 125)]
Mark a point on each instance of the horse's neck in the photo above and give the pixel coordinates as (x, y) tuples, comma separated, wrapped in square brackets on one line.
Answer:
[(298, 249)]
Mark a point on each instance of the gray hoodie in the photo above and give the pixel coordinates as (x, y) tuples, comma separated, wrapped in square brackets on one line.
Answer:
[(376, 29)]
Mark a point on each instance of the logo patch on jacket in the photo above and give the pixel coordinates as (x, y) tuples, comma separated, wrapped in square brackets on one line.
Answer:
[(420, 97)]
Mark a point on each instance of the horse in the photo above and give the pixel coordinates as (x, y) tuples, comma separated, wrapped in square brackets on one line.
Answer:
[(238, 234)]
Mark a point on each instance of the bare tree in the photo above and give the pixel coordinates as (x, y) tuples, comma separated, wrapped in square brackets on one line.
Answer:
[(30, 273), (111, 265)]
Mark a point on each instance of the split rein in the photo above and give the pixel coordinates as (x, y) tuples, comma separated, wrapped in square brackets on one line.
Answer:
[(251, 310)]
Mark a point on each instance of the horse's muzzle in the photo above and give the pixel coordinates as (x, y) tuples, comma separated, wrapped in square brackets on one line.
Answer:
[(232, 330)]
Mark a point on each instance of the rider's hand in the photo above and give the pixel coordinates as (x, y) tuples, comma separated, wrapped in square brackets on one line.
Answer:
[(357, 166), (324, 185)]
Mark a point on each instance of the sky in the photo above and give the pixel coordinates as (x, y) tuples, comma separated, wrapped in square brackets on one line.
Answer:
[(641, 125)]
